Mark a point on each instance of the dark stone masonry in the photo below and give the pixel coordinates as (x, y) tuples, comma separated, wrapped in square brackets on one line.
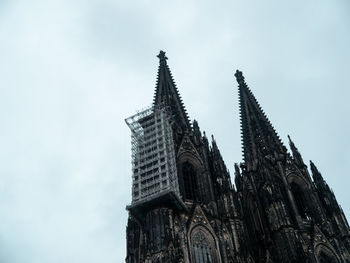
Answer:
[(186, 209)]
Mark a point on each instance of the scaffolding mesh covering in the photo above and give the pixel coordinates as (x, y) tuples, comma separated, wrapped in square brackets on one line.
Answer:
[(153, 154)]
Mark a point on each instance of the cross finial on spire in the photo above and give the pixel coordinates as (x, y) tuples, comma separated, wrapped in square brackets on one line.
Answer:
[(162, 56), (240, 78)]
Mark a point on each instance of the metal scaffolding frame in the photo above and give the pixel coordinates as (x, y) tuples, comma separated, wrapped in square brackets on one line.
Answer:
[(153, 154)]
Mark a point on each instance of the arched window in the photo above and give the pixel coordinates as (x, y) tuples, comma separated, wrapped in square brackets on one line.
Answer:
[(190, 183), (299, 198), (203, 249), (325, 255)]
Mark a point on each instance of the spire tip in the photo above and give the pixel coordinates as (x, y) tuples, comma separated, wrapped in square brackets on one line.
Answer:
[(162, 56), (239, 77)]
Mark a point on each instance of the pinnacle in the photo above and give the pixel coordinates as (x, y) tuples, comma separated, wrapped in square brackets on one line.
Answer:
[(313, 167)]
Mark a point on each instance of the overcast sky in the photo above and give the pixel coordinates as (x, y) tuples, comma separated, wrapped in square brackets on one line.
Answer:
[(71, 71)]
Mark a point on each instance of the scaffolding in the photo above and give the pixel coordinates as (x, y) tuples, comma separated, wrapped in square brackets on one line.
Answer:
[(153, 154)]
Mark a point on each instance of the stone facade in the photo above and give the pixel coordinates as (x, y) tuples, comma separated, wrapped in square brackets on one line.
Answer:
[(275, 212)]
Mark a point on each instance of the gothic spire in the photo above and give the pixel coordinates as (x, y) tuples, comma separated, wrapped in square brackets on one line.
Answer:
[(316, 175), (296, 154), (324, 191), (259, 138), (166, 93)]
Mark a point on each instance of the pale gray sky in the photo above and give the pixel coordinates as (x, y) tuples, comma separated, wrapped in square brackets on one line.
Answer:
[(71, 71)]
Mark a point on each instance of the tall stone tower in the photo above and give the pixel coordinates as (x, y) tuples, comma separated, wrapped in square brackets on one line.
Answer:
[(185, 208)]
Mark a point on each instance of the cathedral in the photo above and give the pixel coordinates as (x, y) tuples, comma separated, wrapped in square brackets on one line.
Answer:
[(185, 208)]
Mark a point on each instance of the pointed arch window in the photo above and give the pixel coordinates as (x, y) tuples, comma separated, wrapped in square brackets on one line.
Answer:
[(325, 255), (203, 250), (190, 181), (300, 201)]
